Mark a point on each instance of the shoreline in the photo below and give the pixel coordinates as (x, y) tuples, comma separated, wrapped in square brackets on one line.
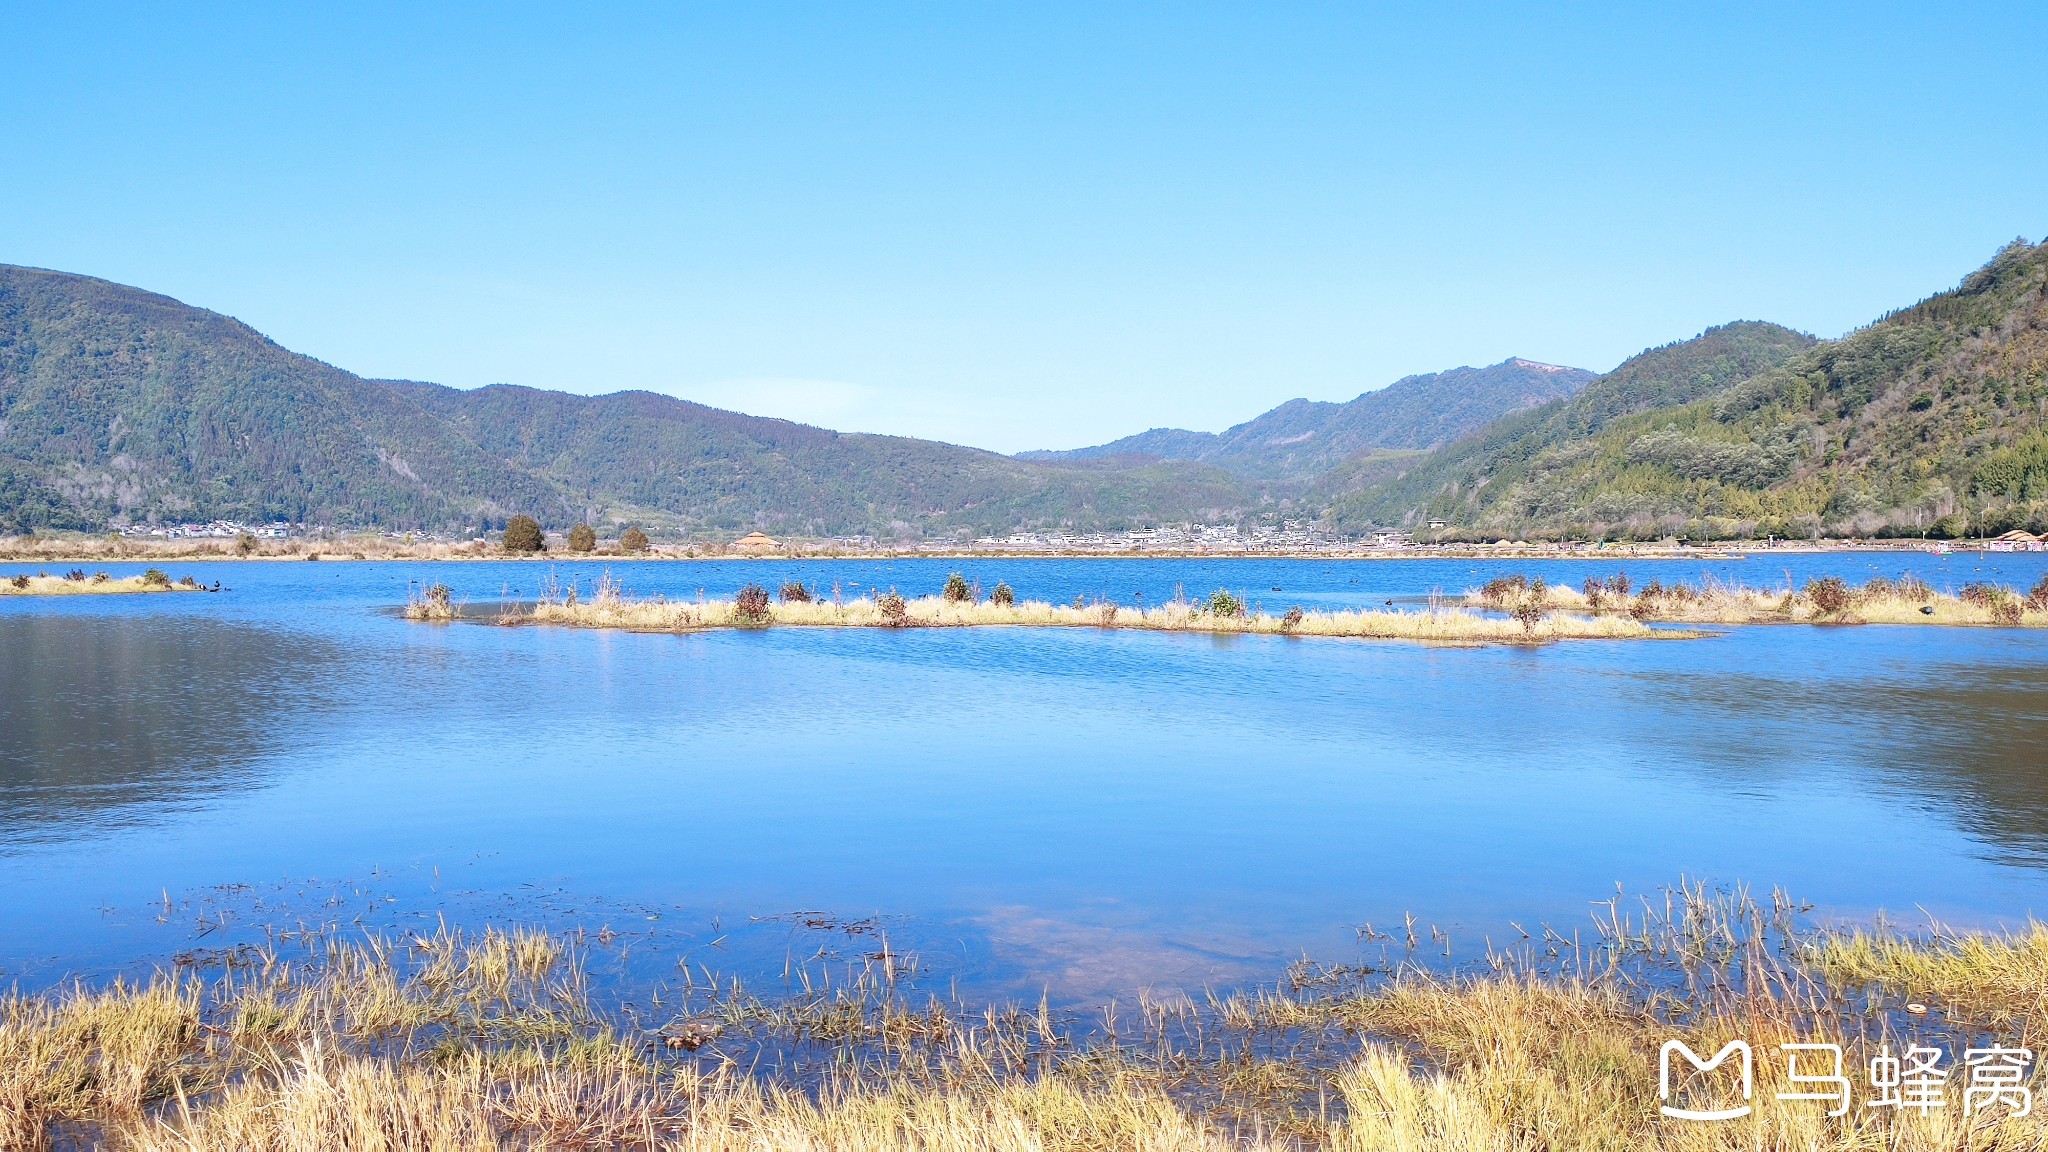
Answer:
[(494, 1039), (346, 551)]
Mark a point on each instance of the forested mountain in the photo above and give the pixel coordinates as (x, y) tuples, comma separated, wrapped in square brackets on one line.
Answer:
[(1929, 420), (1302, 439), (118, 405)]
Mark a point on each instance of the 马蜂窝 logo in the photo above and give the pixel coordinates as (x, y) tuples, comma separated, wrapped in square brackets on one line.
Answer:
[(1732, 1048)]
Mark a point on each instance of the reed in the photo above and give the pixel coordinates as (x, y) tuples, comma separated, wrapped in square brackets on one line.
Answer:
[(1223, 614), (434, 601), (77, 583), (495, 1040), (1826, 600), (609, 607)]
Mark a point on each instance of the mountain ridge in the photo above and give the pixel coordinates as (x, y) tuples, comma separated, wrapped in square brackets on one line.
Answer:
[(1299, 438)]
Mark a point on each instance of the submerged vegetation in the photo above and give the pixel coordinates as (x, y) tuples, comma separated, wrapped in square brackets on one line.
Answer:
[(76, 582), (960, 607), (497, 1040), (1823, 600)]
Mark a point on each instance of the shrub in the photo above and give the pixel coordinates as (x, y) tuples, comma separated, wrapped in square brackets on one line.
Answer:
[(522, 534), (187, 582), (1618, 584), (102, 577), (1528, 614), (1291, 620), (750, 605), (794, 592), (2006, 610), (1105, 613), (76, 575), (245, 543), (1003, 596), (1828, 595), (895, 612), (1911, 587), (1498, 591), (20, 581), (582, 538), (1981, 595), (2038, 598), (956, 590), (1595, 593), (633, 540), (155, 578), (1222, 603)]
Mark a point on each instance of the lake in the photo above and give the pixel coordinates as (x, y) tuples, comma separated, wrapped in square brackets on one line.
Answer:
[(1075, 813)]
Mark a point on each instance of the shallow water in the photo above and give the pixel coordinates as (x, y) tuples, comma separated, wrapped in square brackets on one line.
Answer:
[(1074, 811)]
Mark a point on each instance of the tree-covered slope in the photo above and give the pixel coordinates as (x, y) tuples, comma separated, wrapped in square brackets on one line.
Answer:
[(1302, 439), (118, 405), (1930, 419)]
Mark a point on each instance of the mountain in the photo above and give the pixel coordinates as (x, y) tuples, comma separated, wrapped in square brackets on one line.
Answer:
[(119, 406), (1933, 419), (1302, 438)]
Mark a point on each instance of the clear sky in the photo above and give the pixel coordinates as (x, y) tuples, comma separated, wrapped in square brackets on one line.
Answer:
[(1016, 225)]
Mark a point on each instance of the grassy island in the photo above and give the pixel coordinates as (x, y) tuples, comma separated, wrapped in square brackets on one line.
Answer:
[(1825, 600), (77, 583), (496, 1041), (1223, 613)]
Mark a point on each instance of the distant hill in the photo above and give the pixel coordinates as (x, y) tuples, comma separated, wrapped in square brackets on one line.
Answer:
[(1934, 419), (1304, 438), (119, 405)]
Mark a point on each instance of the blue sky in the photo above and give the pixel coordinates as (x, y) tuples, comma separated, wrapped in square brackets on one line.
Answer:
[(1015, 225)]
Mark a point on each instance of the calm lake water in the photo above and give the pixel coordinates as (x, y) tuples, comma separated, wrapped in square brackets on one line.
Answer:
[(1081, 812)]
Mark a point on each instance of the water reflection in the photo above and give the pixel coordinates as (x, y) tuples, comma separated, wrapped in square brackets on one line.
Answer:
[(106, 721)]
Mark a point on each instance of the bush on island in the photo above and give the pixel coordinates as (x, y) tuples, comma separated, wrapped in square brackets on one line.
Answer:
[(522, 534), (956, 590), (895, 612), (1002, 596), (750, 605)]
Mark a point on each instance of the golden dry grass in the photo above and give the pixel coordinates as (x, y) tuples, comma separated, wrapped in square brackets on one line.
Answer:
[(44, 584), (610, 608), (493, 1041), (1817, 602)]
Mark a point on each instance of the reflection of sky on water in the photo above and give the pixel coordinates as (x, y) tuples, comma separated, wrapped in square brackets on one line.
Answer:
[(1081, 810)]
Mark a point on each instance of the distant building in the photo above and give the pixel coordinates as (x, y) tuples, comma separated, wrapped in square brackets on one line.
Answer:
[(2017, 541), (756, 544)]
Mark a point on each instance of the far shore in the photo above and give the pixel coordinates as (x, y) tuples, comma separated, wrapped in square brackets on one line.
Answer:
[(74, 549)]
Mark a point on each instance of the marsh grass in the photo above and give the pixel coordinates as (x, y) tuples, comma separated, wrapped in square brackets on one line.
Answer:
[(1825, 600), (76, 583), (496, 1040), (432, 602), (611, 608)]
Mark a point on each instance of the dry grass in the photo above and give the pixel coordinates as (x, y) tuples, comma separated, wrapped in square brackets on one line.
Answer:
[(433, 602), (494, 1041), (611, 608), (1821, 601), (79, 584)]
